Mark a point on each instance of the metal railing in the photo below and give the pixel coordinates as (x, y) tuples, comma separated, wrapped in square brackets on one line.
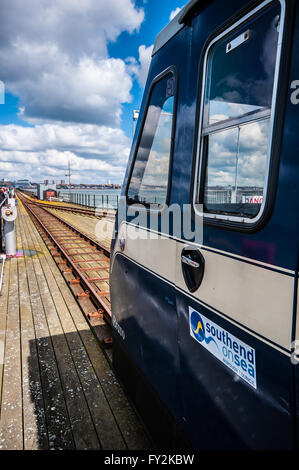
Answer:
[(102, 201)]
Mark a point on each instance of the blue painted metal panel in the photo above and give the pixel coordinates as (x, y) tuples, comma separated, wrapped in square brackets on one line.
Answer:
[(220, 409), (144, 307), (217, 411)]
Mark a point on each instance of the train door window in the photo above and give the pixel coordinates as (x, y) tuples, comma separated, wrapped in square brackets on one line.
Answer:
[(150, 176), (239, 98)]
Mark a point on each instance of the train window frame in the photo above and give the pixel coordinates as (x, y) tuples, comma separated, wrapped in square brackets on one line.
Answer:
[(201, 154), (146, 206)]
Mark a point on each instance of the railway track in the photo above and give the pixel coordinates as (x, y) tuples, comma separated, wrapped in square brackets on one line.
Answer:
[(77, 210), (83, 262)]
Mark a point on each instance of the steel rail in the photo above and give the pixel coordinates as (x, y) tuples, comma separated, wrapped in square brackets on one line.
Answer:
[(82, 234), (78, 210), (94, 295), (73, 228)]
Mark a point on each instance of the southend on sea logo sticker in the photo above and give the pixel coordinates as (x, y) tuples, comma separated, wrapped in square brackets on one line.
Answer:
[(234, 353)]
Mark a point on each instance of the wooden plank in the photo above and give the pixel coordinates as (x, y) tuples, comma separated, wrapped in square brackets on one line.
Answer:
[(57, 419), (132, 430), (3, 319), (34, 424), (11, 430), (100, 410), (83, 429), (34, 418)]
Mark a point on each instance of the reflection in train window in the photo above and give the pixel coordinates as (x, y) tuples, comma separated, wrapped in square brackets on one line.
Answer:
[(236, 122), (149, 181)]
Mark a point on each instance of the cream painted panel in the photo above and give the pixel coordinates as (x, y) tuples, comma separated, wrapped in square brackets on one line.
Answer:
[(157, 255), (258, 298)]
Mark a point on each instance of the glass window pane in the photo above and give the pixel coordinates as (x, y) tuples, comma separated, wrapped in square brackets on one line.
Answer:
[(149, 180), (241, 68), (236, 169)]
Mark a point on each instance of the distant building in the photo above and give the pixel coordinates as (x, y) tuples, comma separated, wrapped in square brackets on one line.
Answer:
[(46, 182), (45, 191), (21, 184), (6, 183), (62, 182)]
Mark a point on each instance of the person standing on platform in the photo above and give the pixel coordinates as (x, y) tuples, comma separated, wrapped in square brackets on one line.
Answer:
[(2, 194)]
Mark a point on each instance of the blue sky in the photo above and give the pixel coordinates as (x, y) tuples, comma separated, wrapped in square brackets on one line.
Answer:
[(157, 15), (73, 73), (9, 111)]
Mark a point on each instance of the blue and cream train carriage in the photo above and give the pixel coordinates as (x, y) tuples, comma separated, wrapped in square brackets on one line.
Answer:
[(206, 317)]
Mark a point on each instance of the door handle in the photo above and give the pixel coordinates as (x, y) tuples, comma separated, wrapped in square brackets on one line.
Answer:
[(190, 262), (193, 265)]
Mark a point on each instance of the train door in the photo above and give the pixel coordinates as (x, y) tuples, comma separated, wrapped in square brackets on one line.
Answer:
[(235, 289), (143, 301)]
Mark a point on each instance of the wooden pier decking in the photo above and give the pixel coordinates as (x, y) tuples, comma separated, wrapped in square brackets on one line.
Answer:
[(57, 389)]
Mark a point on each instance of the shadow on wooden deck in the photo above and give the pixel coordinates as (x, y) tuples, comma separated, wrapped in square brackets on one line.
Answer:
[(76, 404)]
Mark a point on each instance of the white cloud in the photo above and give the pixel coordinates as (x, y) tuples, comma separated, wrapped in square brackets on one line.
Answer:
[(174, 13), (54, 57), (141, 71), (139, 68), (77, 28), (252, 155), (96, 153), (90, 91)]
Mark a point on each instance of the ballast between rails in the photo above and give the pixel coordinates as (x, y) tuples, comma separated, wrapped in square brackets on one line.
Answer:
[(94, 294)]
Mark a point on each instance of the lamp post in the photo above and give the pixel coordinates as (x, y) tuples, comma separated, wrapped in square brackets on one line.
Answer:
[(69, 177), (135, 118)]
